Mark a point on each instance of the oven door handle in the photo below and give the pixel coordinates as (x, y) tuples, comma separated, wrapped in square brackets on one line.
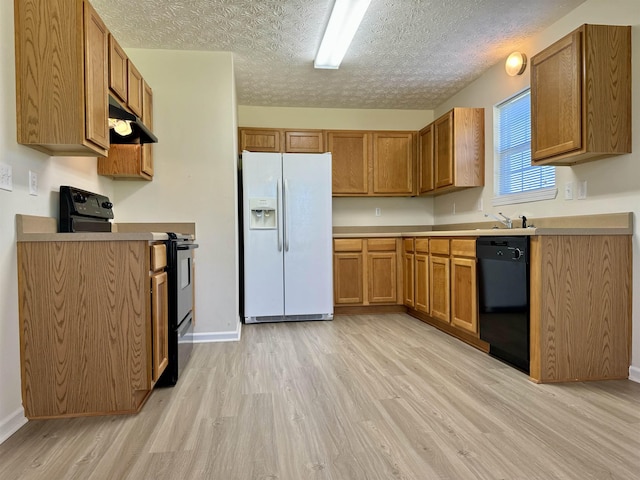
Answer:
[(189, 246), (279, 217), (286, 215)]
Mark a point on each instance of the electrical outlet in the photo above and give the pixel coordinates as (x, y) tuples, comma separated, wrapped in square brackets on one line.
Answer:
[(6, 177), (582, 190), (378, 212), (453, 209), (480, 205), (33, 183), (568, 191)]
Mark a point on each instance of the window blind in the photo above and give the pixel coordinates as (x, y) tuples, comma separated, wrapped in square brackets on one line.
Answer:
[(515, 174)]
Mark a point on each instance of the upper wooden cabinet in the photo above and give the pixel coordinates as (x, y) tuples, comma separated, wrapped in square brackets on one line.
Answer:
[(581, 97), (350, 161), (61, 77), (118, 76), (280, 140), (458, 149), (303, 141), (394, 156), (372, 163), (64, 75), (426, 180), (132, 161)]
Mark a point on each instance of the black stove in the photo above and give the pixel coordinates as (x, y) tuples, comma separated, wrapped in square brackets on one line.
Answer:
[(82, 211)]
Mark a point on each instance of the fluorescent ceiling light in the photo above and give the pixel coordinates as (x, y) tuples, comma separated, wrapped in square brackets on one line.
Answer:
[(343, 24)]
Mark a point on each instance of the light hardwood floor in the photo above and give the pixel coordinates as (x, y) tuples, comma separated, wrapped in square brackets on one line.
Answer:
[(362, 397)]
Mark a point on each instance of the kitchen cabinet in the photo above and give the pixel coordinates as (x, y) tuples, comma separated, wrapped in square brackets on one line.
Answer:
[(421, 275), (426, 179), (348, 271), (581, 97), (118, 74), (93, 325), (464, 291), (280, 140), (366, 271), (409, 272), (350, 157), (61, 53), (439, 279), (381, 268), (303, 141), (159, 310), (134, 89), (394, 160), (458, 151), (132, 161), (581, 331)]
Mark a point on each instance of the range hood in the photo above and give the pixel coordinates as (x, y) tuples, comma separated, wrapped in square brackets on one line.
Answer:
[(120, 120)]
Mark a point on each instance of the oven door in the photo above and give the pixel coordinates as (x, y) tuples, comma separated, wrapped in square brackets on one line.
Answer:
[(184, 280)]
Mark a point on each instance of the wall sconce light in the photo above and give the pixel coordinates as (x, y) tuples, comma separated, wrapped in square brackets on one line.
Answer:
[(516, 64)]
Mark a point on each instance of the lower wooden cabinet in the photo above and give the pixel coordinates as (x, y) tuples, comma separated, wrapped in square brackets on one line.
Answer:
[(92, 334), (159, 311), (421, 275), (370, 263), (439, 292), (464, 294), (409, 272)]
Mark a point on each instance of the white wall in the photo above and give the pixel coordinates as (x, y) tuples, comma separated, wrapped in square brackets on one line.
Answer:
[(195, 177), (353, 211), (613, 184), (52, 172)]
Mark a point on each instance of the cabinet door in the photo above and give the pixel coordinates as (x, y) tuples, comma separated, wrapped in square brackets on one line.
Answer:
[(134, 89), (393, 162), (350, 162), (422, 282), (382, 277), (303, 141), (159, 324), (409, 279), (347, 278), (96, 47), (147, 119), (425, 160), (261, 140), (439, 293), (117, 69), (556, 99), (464, 294), (443, 150)]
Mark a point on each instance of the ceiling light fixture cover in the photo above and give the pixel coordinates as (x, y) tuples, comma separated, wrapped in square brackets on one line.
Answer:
[(516, 64), (343, 24)]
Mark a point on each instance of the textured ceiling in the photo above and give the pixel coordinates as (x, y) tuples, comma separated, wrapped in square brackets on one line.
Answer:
[(407, 54)]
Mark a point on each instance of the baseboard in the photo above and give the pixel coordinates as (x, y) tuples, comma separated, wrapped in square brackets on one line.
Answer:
[(210, 337), (12, 424), (634, 374)]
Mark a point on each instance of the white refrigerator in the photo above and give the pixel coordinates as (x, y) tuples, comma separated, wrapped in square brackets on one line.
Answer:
[(287, 236)]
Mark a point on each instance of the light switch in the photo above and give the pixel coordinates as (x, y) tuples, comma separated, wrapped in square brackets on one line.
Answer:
[(33, 183), (582, 190), (568, 191), (6, 177)]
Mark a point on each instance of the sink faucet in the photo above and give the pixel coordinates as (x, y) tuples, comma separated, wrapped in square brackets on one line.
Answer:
[(506, 221)]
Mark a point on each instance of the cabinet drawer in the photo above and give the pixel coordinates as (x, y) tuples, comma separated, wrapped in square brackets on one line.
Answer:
[(422, 245), (347, 245), (408, 244), (463, 247), (158, 256), (439, 246), (381, 244)]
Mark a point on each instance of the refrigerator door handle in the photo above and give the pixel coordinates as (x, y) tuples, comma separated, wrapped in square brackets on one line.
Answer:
[(285, 202), (278, 218)]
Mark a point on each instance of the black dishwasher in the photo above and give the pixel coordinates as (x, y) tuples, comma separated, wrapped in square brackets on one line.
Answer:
[(503, 297)]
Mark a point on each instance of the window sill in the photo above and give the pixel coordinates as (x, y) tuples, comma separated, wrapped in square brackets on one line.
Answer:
[(526, 197)]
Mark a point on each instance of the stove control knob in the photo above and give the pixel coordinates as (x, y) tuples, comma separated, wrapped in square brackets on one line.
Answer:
[(79, 198), (107, 205)]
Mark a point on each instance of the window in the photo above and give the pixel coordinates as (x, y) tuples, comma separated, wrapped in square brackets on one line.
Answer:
[(516, 180)]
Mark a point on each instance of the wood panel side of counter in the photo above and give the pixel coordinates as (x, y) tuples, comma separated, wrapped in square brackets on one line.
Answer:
[(580, 307), (83, 327)]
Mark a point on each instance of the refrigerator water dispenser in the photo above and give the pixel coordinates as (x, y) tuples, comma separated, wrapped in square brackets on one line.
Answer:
[(263, 213)]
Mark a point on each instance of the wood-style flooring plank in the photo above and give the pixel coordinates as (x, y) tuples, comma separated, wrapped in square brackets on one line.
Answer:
[(372, 397)]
